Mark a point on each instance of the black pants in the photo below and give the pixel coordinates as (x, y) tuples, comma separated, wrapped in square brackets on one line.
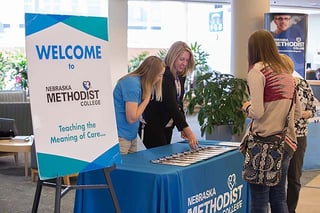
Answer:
[(155, 136), (294, 174)]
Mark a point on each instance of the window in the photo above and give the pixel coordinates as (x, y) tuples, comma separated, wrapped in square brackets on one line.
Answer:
[(151, 24), (12, 15), (158, 24)]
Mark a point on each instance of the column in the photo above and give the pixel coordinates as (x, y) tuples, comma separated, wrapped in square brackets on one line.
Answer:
[(117, 44), (247, 16)]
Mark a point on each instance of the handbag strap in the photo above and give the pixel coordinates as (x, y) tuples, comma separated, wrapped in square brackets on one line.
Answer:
[(284, 130)]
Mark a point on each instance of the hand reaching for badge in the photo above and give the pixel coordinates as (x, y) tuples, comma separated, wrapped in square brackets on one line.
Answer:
[(187, 134)]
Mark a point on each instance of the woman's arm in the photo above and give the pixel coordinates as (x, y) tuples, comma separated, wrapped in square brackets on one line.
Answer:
[(134, 111), (170, 102), (310, 107), (256, 83), (187, 134)]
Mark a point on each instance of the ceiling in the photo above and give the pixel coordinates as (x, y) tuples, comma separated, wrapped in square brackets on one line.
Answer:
[(297, 6), (296, 3), (314, 4)]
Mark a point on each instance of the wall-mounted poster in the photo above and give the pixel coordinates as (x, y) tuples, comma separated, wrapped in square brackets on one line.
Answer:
[(71, 94), (216, 21), (290, 34)]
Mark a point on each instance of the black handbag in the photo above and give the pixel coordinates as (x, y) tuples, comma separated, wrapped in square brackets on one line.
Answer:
[(263, 157)]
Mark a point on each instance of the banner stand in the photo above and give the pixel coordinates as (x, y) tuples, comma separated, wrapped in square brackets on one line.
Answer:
[(62, 190)]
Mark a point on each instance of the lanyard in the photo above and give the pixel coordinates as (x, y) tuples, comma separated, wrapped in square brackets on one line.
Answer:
[(178, 88)]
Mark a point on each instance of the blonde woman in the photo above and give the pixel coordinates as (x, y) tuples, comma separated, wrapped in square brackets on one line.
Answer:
[(131, 95), (161, 117), (308, 108)]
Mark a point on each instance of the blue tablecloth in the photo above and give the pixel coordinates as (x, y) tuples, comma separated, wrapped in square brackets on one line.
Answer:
[(142, 186), (312, 154)]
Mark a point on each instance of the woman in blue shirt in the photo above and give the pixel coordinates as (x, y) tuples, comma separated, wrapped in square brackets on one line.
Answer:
[(131, 95)]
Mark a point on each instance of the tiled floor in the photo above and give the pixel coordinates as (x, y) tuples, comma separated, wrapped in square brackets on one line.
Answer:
[(309, 201)]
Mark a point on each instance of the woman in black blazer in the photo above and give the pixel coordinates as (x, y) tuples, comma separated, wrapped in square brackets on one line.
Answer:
[(160, 117)]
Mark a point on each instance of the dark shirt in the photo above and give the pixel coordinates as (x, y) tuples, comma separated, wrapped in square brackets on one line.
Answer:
[(158, 113)]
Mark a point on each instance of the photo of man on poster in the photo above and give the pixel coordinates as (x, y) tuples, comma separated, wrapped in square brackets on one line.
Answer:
[(283, 22), (290, 33), (288, 25)]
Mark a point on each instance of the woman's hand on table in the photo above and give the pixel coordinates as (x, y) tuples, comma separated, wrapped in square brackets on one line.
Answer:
[(188, 135)]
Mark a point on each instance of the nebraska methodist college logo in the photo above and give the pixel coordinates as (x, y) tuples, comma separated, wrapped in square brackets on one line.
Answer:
[(297, 44), (216, 199), (65, 93)]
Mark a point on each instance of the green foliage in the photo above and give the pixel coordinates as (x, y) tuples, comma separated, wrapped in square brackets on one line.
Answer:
[(18, 63), (162, 53), (200, 57), (136, 61), (220, 97), (13, 70), (3, 67)]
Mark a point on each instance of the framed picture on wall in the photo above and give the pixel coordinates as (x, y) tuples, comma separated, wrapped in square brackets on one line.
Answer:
[(216, 21)]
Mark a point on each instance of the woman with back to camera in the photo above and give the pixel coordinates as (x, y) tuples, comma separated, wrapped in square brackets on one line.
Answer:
[(308, 110), (161, 117), (272, 89), (131, 95)]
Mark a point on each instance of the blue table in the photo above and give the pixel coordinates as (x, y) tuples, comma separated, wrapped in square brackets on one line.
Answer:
[(142, 186), (311, 157)]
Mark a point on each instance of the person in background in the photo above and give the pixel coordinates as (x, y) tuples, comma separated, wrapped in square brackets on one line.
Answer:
[(161, 117), (317, 74), (272, 91), (311, 75), (308, 108), (131, 95), (288, 62)]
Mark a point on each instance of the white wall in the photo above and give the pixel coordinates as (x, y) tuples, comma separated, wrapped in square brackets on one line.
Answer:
[(313, 42)]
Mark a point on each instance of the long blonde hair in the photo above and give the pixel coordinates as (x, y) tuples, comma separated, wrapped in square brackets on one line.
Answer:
[(288, 62), (175, 51), (149, 71), (262, 48)]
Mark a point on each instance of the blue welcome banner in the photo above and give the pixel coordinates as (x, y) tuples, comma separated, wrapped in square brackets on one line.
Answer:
[(71, 103)]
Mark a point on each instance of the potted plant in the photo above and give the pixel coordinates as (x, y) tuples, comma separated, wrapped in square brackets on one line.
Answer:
[(218, 98)]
